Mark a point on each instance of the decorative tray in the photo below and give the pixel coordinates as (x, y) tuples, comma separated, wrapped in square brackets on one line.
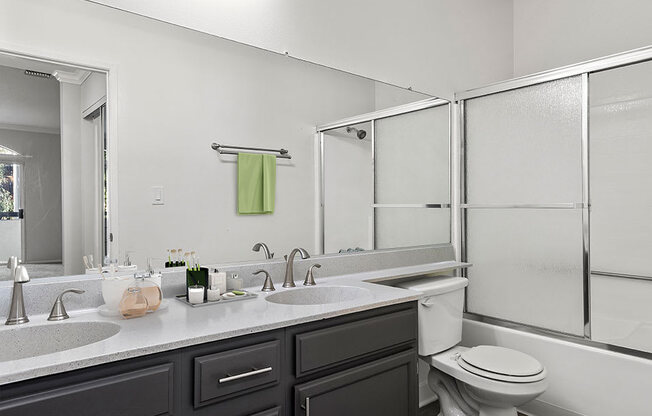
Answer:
[(223, 299)]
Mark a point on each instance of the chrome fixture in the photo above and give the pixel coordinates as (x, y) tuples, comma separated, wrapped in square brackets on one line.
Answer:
[(268, 286), (258, 246), (219, 148), (310, 279), (19, 275), (361, 134), (58, 312), (289, 268)]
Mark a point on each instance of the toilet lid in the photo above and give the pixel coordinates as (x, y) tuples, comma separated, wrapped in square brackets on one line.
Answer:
[(502, 364)]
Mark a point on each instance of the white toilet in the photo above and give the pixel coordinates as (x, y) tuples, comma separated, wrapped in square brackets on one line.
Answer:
[(479, 381)]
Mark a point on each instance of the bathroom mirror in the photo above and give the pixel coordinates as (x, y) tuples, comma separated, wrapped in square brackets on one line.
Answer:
[(52, 166), (153, 182)]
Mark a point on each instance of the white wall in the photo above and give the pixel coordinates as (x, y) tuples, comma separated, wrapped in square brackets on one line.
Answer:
[(28, 102), (71, 178), (93, 91), (348, 190), (213, 90), (435, 46), (552, 33), (582, 380), (42, 186)]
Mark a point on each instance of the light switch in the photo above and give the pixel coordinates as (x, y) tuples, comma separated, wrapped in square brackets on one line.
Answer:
[(157, 195)]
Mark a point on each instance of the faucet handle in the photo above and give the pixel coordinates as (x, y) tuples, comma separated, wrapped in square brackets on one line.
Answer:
[(20, 274), (310, 279), (268, 286), (58, 312)]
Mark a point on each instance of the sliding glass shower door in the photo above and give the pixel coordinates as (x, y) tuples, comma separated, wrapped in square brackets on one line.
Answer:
[(523, 205)]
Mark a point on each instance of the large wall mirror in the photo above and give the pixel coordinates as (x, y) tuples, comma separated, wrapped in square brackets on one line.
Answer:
[(75, 185), (53, 204)]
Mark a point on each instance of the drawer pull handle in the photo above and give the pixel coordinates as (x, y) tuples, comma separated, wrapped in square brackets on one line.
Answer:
[(306, 406), (253, 372)]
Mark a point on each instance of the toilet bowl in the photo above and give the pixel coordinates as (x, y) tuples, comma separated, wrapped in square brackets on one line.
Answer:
[(480, 381), (495, 385)]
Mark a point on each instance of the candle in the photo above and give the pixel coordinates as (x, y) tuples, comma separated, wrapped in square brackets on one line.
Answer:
[(196, 294)]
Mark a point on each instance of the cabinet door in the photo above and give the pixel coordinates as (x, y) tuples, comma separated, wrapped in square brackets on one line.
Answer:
[(146, 392), (386, 387)]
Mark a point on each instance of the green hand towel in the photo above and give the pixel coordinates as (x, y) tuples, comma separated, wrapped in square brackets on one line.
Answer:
[(256, 183)]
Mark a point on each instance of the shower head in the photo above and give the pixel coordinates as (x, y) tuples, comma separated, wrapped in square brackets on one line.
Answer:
[(361, 134)]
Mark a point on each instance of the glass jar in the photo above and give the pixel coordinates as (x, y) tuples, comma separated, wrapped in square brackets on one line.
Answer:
[(133, 303), (150, 290)]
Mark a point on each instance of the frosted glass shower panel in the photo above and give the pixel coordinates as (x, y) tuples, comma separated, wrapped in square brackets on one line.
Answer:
[(412, 157), (348, 191), (524, 145), (406, 227), (527, 266), (621, 169)]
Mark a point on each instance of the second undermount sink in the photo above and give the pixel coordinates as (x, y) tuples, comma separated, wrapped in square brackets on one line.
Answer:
[(31, 341), (318, 295)]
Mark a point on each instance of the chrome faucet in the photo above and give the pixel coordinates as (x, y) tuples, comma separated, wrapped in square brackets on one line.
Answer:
[(310, 277), (258, 246), (289, 268), (19, 275), (58, 312)]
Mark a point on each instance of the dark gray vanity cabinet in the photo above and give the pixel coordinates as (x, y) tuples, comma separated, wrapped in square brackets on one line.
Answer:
[(357, 364), (385, 387), (239, 376), (141, 387)]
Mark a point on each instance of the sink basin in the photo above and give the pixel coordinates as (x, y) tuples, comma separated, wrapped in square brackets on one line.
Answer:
[(318, 295), (30, 341)]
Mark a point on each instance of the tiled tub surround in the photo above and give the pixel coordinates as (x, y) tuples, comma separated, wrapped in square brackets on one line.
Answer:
[(179, 325)]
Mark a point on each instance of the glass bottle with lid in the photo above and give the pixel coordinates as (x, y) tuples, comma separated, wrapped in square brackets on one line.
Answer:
[(150, 290), (133, 303)]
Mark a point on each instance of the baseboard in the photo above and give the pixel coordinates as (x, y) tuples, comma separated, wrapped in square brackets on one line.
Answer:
[(540, 408)]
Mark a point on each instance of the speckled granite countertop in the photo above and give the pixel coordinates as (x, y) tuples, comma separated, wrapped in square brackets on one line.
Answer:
[(180, 325)]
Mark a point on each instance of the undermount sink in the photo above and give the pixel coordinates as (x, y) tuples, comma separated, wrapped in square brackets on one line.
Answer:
[(30, 341), (318, 295)]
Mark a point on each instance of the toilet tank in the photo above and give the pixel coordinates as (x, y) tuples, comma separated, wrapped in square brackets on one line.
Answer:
[(440, 312)]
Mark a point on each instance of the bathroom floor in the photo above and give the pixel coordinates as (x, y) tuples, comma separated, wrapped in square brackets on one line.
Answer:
[(433, 410), (430, 410)]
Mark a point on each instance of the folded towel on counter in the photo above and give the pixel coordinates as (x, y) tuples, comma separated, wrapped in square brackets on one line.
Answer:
[(256, 183)]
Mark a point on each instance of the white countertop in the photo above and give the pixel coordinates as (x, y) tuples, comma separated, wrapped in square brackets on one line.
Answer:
[(180, 325)]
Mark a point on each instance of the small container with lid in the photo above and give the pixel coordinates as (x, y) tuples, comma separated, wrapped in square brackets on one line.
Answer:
[(133, 303), (150, 290)]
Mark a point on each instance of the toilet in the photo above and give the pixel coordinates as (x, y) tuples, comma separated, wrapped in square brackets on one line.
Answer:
[(479, 381)]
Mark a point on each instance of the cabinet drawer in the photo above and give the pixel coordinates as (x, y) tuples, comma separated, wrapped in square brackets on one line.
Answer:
[(238, 371), (317, 350), (385, 387), (146, 392)]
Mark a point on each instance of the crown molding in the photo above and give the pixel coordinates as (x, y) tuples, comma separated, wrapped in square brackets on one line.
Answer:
[(76, 77)]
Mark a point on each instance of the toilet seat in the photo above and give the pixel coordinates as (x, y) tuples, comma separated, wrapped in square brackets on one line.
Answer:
[(501, 364)]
